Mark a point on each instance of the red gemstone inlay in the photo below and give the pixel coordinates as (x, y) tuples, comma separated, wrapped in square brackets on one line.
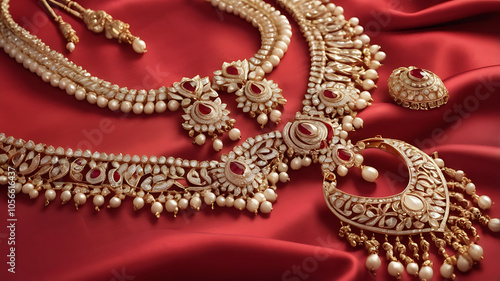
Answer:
[(330, 131), (323, 144), (79, 161), (116, 176), (344, 154), (189, 85), (306, 129), (232, 70), (418, 73), (256, 89), (204, 109), (329, 94), (95, 173), (237, 168)]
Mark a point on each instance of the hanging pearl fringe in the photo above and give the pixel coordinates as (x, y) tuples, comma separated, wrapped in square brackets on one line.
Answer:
[(412, 252)]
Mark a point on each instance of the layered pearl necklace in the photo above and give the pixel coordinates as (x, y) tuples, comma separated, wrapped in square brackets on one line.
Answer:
[(343, 70)]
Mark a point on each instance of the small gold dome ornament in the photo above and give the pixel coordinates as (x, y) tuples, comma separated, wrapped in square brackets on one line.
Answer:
[(416, 88)]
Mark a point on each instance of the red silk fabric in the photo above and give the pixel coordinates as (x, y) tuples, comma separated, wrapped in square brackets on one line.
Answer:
[(458, 40)]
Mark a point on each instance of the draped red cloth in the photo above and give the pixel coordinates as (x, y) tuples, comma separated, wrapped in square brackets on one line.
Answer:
[(458, 40)]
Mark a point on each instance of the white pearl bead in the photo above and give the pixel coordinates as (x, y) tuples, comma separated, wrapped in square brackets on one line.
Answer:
[(262, 119), (217, 145), (374, 48), (239, 204), (370, 174), (343, 134), (156, 209), (200, 139), (209, 198), (266, 207), (270, 195), (361, 103), (278, 52), (173, 105), (4, 180), (470, 188), (114, 105), (273, 178), (50, 194), (92, 98), (171, 206), (267, 66), (282, 167), (484, 202), (275, 116), (234, 134), (63, 83), (475, 252), (259, 196), (221, 201), (354, 21), (425, 273), (17, 187), (379, 56), (358, 123), (347, 119), (54, 80), (70, 46), (253, 205), (358, 159), (412, 268), (357, 44), (80, 199), (102, 101), (342, 170), (368, 84), (33, 193), (365, 95), (459, 175), (358, 29), (494, 225), (395, 269), (306, 161), (126, 106), (375, 64), (183, 203), (27, 188), (274, 60), (115, 202), (149, 108), (463, 264), (229, 201), (139, 46), (284, 177), (338, 11), (65, 196), (195, 203), (439, 162), (160, 107), (365, 38), (370, 74), (296, 163), (98, 200), (446, 270), (373, 262), (138, 108), (347, 127)]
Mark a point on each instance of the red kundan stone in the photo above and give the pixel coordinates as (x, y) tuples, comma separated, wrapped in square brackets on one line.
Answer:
[(204, 109), (237, 168)]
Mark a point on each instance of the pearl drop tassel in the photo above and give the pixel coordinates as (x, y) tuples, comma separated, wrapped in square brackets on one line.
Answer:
[(494, 225), (475, 252), (275, 116), (446, 270), (484, 202), (139, 46), (50, 194), (183, 203), (115, 202), (200, 139), (270, 195), (138, 203), (171, 206), (273, 178), (259, 196), (70, 46), (217, 145), (27, 188), (412, 268), (373, 262), (370, 174), (253, 205), (209, 198), (98, 201), (262, 119), (463, 264), (156, 209), (195, 203), (79, 199), (395, 269), (239, 204), (425, 273), (65, 196), (296, 163), (33, 194), (234, 134), (266, 207)]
